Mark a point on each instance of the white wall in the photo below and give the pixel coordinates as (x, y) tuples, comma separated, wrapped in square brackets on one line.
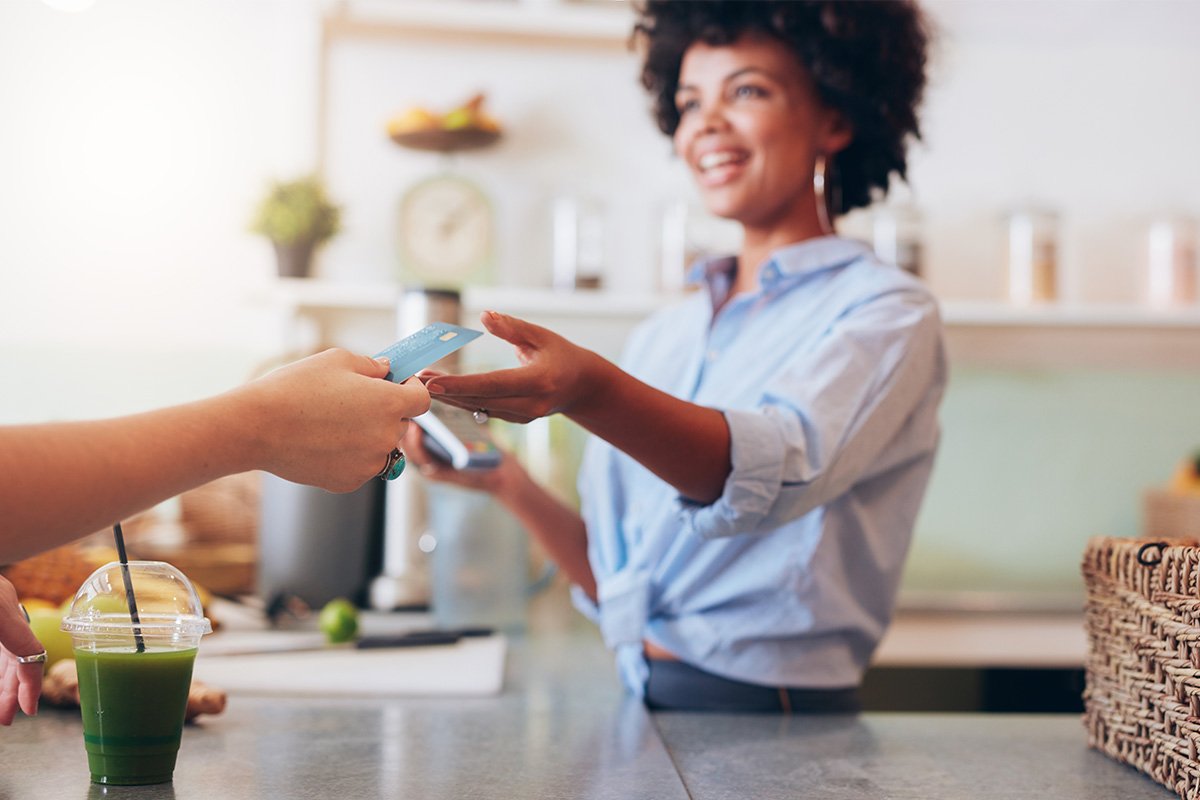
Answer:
[(576, 122), (1087, 107), (136, 137)]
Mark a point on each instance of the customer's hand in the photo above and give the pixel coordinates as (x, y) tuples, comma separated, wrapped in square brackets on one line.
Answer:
[(20, 684), (330, 420), (556, 376)]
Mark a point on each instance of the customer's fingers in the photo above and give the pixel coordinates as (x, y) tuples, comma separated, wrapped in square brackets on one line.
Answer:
[(29, 687), (8, 689)]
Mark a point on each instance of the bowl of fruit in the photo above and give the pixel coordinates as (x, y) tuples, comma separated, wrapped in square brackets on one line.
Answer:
[(464, 127)]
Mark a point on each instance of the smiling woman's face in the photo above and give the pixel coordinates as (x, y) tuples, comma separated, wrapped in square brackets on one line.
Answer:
[(750, 129)]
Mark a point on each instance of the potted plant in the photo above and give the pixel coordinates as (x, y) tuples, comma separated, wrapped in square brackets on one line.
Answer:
[(296, 216)]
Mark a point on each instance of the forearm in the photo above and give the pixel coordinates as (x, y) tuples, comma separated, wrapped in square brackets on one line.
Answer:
[(685, 444), (60, 481), (557, 528)]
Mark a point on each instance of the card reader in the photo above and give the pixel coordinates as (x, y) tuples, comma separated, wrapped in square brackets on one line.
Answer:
[(452, 435)]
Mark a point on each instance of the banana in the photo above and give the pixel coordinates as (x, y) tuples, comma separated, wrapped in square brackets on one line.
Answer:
[(414, 119)]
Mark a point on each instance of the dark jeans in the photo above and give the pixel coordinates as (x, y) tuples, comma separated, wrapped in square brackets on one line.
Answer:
[(676, 686)]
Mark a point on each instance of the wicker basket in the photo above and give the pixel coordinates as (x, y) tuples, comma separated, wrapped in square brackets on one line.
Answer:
[(1142, 701)]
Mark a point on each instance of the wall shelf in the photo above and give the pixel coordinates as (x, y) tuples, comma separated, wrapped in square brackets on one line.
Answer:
[(958, 313), (1072, 337), (316, 296), (313, 293), (546, 22), (977, 334)]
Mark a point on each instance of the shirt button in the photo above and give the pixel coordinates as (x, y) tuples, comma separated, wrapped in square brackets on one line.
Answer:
[(711, 356)]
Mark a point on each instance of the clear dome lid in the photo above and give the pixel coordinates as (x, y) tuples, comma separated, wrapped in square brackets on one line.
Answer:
[(166, 602)]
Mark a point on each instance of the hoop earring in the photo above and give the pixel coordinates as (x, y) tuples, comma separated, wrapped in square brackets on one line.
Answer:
[(819, 194)]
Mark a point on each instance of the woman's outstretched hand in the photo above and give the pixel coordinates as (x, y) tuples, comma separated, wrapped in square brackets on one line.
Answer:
[(555, 376)]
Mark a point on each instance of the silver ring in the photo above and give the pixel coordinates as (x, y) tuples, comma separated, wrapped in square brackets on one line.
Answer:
[(36, 658), (480, 415)]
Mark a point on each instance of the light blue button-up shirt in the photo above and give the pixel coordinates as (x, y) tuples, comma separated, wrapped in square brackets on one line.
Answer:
[(829, 376)]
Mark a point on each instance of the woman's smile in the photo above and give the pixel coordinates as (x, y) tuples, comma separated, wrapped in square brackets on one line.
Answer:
[(718, 167)]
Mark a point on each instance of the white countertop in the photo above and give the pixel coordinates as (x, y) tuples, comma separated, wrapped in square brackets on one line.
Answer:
[(984, 639)]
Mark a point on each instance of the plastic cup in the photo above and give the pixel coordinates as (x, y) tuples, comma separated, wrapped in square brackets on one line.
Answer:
[(134, 679)]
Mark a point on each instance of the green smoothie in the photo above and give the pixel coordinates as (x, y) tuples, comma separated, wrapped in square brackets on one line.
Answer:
[(133, 706)]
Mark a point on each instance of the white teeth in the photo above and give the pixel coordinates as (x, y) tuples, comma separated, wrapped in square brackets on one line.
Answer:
[(710, 160)]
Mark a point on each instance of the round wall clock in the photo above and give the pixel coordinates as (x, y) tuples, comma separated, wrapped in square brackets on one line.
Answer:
[(446, 233)]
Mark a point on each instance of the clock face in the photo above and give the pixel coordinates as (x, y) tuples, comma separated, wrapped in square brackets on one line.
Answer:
[(446, 232)]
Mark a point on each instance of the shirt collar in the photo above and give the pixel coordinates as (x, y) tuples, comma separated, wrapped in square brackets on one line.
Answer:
[(792, 261)]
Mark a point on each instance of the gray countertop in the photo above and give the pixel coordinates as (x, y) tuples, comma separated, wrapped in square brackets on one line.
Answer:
[(563, 729), (895, 757)]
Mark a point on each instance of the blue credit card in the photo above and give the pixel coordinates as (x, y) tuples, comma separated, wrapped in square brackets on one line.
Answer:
[(417, 351)]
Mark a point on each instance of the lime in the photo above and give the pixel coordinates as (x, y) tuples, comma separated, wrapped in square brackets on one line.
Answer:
[(338, 620)]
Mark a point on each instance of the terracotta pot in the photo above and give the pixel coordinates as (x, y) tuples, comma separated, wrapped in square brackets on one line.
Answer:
[(294, 259)]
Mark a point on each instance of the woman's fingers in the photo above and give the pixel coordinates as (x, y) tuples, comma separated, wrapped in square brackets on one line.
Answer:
[(513, 330), (514, 382), (496, 408), (426, 375)]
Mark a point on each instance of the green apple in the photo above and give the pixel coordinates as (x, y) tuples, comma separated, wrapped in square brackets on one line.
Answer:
[(338, 620), (458, 118), (46, 623)]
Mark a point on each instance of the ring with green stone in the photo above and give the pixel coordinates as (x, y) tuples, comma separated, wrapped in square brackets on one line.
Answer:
[(394, 466)]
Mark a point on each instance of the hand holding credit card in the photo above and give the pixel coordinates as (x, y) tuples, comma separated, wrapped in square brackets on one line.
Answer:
[(419, 350)]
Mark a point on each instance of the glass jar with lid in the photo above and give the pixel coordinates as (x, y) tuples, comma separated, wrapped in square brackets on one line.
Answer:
[(1170, 278), (896, 236), (1033, 256)]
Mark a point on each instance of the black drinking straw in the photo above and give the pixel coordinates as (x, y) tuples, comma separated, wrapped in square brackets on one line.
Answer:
[(133, 612)]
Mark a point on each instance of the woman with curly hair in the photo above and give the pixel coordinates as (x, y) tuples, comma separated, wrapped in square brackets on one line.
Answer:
[(758, 460)]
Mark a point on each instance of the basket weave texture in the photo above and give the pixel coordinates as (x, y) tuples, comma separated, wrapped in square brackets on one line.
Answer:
[(1142, 701)]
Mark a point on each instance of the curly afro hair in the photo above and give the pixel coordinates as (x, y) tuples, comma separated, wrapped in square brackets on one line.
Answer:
[(866, 59)]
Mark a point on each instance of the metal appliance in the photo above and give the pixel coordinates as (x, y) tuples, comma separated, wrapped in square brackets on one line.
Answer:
[(404, 580), (315, 545)]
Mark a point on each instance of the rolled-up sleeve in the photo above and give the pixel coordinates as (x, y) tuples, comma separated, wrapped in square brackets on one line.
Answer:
[(862, 401)]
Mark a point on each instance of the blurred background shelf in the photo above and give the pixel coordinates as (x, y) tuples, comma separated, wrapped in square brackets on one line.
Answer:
[(307, 293), (545, 22), (968, 314), (303, 295), (1073, 336), (977, 334)]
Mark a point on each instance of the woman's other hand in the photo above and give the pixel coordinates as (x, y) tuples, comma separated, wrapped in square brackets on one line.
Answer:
[(493, 481), (555, 376), (20, 684), (330, 420)]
